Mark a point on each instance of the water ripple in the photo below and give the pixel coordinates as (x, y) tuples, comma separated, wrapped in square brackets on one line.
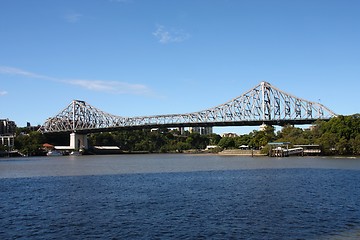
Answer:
[(238, 204)]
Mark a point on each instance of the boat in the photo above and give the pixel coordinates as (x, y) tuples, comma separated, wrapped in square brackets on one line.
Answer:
[(54, 153), (75, 153)]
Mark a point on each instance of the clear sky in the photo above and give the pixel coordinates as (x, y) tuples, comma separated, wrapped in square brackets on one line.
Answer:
[(142, 57)]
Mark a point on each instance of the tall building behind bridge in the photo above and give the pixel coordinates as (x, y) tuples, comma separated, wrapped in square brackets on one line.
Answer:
[(201, 130)]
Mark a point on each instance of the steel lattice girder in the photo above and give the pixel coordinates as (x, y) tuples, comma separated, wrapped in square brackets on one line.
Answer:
[(262, 104)]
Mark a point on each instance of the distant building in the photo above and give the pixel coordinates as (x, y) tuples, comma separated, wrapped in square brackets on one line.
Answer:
[(201, 130), (229, 135), (206, 130), (181, 130), (194, 129), (312, 127), (7, 140), (7, 132), (262, 127), (32, 128), (7, 127)]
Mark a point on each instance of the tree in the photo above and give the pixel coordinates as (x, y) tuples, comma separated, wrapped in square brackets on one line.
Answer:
[(197, 141), (227, 142), (242, 140), (342, 146), (339, 134), (214, 139), (261, 138), (292, 134), (30, 144), (327, 142), (181, 146), (355, 145)]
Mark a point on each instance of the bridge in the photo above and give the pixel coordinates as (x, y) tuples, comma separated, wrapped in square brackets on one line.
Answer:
[(263, 104)]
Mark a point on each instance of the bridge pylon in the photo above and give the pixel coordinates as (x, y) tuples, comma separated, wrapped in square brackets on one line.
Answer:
[(78, 141)]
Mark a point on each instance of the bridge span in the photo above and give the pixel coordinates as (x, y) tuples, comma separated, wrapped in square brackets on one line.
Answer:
[(263, 104)]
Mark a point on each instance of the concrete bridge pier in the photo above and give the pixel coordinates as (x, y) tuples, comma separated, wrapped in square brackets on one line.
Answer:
[(78, 141)]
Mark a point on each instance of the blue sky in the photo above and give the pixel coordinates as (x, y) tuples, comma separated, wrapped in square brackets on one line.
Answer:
[(140, 57)]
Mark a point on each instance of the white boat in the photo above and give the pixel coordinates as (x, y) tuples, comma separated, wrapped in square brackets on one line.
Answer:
[(75, 153), (54, 153)]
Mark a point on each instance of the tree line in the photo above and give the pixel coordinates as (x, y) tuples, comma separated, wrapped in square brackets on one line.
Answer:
[(338, 136)]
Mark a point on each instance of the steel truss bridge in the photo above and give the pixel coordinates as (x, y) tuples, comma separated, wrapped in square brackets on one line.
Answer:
[(263, 104)]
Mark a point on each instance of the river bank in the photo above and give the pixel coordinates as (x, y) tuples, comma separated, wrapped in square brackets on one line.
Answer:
[(239, 152)]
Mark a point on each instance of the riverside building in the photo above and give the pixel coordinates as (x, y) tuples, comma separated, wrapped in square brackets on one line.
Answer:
[(7, 133)]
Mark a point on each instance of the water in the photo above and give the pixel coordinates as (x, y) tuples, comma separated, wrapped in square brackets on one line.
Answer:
[(179, 197)]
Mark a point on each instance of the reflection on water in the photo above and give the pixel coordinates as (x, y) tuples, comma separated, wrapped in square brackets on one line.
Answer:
[(179, 196)]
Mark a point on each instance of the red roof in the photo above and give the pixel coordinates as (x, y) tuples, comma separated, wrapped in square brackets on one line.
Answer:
[(47, 145)]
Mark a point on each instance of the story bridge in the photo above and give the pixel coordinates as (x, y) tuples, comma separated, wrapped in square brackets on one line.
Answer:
[(263, 104)]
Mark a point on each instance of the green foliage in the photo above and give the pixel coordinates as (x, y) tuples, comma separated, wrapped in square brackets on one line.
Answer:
[(340, 135), (161, 140), (355, 145), (294, 135), (197, 141), (214, 139), (30, 144), (242, 140), (261, 138), (265, 149), (227, 142)]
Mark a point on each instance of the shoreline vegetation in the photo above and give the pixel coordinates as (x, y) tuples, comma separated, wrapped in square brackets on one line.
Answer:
[(340, 136)]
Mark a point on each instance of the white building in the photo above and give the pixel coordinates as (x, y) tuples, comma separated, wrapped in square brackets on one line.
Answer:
[(231, 135), (7, 140), (7, 131), (262, 127)]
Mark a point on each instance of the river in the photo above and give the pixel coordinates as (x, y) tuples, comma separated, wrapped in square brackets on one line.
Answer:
[(179, 196)]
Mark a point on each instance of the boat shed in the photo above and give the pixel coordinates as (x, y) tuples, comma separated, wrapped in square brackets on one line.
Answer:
[(278, 149)]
